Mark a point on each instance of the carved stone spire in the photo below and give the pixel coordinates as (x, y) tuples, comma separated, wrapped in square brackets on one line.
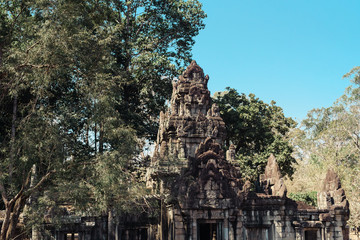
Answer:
[(191, 117), (332, 195), (271, 181)]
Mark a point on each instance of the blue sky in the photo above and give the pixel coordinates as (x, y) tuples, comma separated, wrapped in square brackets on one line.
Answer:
[(294, 52)]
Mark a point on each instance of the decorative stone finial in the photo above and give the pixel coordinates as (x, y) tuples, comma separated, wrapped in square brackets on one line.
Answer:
[(230, 154), (332, 195), (272, 181)]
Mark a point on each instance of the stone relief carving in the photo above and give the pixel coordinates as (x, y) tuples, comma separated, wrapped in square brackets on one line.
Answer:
[(187, 116), (208, 184), (332, 195), (272, 180)]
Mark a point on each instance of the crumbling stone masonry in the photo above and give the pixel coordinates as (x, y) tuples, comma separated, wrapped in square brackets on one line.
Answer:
[(203, 195)]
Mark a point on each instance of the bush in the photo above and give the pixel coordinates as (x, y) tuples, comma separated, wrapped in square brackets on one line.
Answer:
[(309, 198)]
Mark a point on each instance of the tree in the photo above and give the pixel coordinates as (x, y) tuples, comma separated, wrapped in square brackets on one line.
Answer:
[(77, 79), (329, 138), (151, 41), (256, 129), (38, 100)]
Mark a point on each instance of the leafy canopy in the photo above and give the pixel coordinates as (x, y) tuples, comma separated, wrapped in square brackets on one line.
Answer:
[(256, 129), (82, 83), (329, 138)]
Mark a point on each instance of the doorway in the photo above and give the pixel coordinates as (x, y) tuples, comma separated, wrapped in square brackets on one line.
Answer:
[(210, 231), (310, 234)]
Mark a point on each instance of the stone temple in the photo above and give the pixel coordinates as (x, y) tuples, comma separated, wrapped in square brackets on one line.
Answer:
[(203, 194)]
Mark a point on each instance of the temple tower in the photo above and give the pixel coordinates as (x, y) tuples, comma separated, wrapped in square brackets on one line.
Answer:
[(190, 120)]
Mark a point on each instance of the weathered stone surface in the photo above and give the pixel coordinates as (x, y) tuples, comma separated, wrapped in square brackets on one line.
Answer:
[(203, 192), (325, 217), (271, 180), (211, 176), (191, 119), (230, 154), (332, 195)]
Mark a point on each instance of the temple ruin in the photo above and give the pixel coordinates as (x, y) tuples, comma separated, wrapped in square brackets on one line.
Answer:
[(203, 194)]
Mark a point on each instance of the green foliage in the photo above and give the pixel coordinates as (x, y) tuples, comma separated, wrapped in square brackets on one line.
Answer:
[(150, 42), (256, 129), (309, 198), (329, 138), (82, 83)]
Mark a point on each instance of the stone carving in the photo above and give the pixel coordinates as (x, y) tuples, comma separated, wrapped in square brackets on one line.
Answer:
[(200, 190), (271, 181), (181, 148), (163, 149), (191, 116), (332, 195), (211, 181), (209, 188), (230, 154), (214, 111)]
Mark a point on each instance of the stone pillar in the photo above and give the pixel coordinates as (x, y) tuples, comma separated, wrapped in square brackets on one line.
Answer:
[(232, 231), (298, 233), (328, 233), (338, 233), (127, 234), (279, 234), (226, 229), (322, 233), (35, 235), (111, 225), (194, 229), (179, 227), (239, 229)]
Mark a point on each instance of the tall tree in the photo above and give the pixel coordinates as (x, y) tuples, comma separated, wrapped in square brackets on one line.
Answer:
[(77, 79), (256, 129), (37, 103), (330, 138)]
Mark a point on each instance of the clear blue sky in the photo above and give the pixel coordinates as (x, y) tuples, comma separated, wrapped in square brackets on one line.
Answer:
[(294, 52)]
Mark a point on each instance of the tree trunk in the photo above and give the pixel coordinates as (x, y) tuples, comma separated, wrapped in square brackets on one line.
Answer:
[(1, 54), (13, 129), (87, 135), (6, 221), (101, 138), (15, 206), (111, 226), (14, 220), (35, 235), (95, 138), (12, 213)]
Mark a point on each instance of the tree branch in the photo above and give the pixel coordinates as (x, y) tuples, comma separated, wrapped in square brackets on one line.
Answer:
[(3, 194), (15, 19), (355, 140), (35, 66), (42, 180)]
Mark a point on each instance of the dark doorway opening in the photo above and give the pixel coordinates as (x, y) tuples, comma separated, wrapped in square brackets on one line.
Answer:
[(143, 234), (310, 235), (210, 231)]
